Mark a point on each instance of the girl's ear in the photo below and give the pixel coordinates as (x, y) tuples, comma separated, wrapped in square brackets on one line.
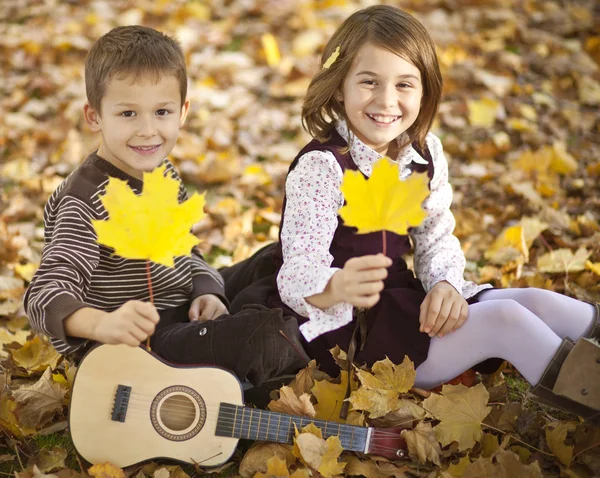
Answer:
[(338, 95), (92, 117), (184, 111)]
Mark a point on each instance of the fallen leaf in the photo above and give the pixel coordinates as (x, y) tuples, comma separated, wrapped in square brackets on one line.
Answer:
[(383, 202), (330, 397), (106, 470), (458, 470), (423, 444), (36, 355), (37, 404), (255, 459), (555, 437), (318, 454), (483, 112), (50, 459), (461, 411), (358, 467), (507, 465), (563, 260)]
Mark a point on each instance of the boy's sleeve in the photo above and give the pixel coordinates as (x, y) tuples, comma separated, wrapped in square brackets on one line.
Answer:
[(70, 255), (205, 279), (438, 255)]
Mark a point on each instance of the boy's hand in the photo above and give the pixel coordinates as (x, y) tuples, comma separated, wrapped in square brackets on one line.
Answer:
[(130, 324), (361, 280), (443, 310), (206, 307)]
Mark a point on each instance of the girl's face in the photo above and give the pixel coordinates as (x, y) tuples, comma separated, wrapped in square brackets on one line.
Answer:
[(381, 96)]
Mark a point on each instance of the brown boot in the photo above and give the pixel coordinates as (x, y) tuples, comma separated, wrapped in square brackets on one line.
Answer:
[(571, 381), (595, 330)]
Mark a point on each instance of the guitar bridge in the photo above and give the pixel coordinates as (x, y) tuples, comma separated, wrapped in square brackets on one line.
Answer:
[(121, 403)]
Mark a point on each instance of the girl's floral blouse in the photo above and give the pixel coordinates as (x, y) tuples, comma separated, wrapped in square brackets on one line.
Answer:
[(313, 200)]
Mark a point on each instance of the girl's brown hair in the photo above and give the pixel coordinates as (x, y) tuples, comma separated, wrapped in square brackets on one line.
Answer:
[(385, 27), (132, 50)]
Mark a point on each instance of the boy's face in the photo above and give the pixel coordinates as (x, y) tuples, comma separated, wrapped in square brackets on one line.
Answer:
[(139, 122)]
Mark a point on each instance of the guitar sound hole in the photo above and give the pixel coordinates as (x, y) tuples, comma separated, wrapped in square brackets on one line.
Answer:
[(177, 412)]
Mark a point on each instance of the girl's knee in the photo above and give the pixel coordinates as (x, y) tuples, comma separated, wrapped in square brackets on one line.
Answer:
[(512, 314)]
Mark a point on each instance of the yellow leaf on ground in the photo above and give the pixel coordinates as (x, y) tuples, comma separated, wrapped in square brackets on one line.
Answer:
[(461, 411), (489, 444), (49, 459), (593, 266), (106, 470), (291, 404), (515, 241), (318, 454), (305, 378), (255, 459), (563, 260), (458, 470), (357, 467), (379, 391), (330, 397), (423, 444), (555, 437), (153, 225), (36, 355), (483, 112), (276, 467), (37, 404), (270, 49), (383, 202)]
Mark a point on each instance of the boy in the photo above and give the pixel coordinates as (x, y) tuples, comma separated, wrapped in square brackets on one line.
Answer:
[(136, 85)]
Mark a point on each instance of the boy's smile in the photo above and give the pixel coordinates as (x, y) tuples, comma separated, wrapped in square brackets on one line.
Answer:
[(381, 96), (139, 120)]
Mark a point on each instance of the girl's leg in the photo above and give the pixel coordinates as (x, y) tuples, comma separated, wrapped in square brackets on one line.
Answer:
[(495, 328), (567, 317)]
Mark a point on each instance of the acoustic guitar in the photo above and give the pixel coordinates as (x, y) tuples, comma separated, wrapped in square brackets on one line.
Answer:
[(129, 405)]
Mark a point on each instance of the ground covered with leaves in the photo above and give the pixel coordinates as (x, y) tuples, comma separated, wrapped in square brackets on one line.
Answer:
[(519, 122)]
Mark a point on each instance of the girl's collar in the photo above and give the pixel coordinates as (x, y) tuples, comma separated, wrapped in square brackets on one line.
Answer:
[(360, 149)]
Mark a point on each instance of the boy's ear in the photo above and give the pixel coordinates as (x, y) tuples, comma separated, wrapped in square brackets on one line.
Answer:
[(184, 111), (92, 117)]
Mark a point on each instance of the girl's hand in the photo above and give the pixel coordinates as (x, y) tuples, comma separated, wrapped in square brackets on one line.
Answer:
[(361, 280), (443, 310), (206, 307)]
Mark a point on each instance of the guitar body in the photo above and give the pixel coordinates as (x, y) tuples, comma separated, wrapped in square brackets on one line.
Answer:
[(160, 410)]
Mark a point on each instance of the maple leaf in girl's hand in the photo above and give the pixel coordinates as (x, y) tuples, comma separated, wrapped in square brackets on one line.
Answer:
[(383, 202), (153, 225)]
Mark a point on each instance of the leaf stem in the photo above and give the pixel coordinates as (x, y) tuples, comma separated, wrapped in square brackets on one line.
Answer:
[(151, 296), (384, 242)]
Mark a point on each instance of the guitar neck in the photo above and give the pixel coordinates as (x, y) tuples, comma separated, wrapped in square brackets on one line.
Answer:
[(254, 424)]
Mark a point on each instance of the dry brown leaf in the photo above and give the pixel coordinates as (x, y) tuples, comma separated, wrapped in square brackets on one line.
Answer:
[(423, 444), (507, 465), (276, 467), (407, 412), (37, 404), (318, 454), (358, 467), (461, 410), (563, 260), (289, 403), (458, 470), (50, 459)]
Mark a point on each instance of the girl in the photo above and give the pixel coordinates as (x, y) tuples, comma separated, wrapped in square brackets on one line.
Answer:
[(377, 95)]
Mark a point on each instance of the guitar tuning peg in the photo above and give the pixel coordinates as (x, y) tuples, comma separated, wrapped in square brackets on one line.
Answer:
[(401, 453)]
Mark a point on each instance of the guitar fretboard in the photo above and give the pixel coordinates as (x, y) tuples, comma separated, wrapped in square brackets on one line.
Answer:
[(254, 424)]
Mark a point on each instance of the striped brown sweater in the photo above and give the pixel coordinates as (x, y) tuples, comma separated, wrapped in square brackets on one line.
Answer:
[(76, 271)]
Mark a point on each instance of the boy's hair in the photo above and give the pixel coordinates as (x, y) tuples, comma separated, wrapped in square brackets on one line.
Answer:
[(385, 27), (132, 50)]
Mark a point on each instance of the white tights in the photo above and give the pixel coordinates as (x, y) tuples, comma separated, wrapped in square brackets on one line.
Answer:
[(522, 326)]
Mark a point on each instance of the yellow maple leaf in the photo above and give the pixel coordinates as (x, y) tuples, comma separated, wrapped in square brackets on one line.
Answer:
[(556, 434), (379, 392), (593, 266), (422, 443), (563, 260), (36, 355), (321, 455), (106, 470), (460, 411), (276, 467), (483, 112), (383, 202), (152, 226), (330, 397)]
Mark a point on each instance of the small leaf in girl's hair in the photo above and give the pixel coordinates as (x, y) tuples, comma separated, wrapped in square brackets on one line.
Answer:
[(383, 202), (332, 58)]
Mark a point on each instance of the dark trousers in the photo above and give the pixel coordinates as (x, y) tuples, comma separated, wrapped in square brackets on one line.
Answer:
[(255, 343)]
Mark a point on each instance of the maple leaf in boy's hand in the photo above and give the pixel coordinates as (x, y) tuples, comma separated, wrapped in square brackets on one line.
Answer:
[(153, 225), (383, 202)]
